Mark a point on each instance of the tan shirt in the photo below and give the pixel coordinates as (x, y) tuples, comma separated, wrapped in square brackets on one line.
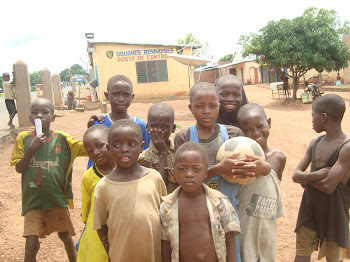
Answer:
[(131, 212), (9, 91)]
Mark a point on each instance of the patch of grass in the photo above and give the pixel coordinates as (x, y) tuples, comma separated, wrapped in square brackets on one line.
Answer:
[(178, 126), (1, 94)]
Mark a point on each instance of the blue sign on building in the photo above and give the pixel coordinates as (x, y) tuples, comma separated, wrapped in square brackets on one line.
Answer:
[(79, 78)]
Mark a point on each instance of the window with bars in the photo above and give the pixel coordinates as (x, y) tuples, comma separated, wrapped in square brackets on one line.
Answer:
[(152, 71)]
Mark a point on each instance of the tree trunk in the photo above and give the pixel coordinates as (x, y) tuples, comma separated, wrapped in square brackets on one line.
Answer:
[(295, 86)]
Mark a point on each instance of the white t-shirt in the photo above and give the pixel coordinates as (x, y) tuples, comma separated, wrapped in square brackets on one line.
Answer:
[(8, 90), (260, 204)]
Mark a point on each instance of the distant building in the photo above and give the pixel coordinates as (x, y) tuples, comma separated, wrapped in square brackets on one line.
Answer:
[(251, 72), (153, 73), (247, 70)]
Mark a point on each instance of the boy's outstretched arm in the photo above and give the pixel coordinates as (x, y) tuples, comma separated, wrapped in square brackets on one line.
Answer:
[(166, 251), (239, 168), (103, 235), (278, 163), (230, 247), (339, 172), (160, 144), (302, 177), (36, 144), (92, 119), (251, 166)]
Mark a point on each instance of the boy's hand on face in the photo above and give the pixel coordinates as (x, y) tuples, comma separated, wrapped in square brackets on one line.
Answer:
[(38, 142), (158, 141), (92, 119), (171, 175)]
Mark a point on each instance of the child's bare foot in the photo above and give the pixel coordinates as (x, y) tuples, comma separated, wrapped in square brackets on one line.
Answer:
[(11, 126)]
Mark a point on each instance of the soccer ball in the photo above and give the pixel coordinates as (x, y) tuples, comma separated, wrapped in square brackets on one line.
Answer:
[(244, 145)]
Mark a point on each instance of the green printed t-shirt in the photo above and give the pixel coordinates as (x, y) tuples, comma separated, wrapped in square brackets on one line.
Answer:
[(47, 181)]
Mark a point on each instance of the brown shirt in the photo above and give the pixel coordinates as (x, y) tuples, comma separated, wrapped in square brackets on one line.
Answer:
[(151, 155), (326, 214)]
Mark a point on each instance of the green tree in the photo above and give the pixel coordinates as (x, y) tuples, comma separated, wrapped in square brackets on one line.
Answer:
[(77, 69), (227, 57), (203, 51), (67, 73), (35, 79), (312, 40)]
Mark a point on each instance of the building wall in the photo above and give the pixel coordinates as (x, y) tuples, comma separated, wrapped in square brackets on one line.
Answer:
[(247, 78), (346, 73), (124, 61), (206, 76)]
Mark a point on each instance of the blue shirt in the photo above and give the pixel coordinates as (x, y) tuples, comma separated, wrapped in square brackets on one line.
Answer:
[(108, 122)]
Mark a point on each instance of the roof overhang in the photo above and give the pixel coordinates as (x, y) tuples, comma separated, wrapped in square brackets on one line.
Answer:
[(190, 60)]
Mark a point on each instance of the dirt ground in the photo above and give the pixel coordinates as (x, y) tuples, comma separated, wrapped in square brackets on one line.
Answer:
[(291, 133)]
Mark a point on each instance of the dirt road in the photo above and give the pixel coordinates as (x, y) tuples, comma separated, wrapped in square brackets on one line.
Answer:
[(291, 133)]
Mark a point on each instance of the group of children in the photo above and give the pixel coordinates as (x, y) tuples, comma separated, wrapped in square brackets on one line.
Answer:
[(146, 197)]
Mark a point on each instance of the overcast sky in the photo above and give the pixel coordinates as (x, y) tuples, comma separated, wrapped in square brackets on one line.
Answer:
[(51, 34)]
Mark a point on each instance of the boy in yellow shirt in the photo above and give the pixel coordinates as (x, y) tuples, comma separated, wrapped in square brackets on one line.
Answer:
[(95, 142)]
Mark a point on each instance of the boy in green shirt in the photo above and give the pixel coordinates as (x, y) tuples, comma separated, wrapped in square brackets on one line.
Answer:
[(45, 161)]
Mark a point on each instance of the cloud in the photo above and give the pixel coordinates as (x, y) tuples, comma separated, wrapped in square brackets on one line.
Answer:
[(21, 40)]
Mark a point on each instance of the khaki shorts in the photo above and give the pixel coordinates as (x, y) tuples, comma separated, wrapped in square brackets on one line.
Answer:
[(42, 223), (308, 242)]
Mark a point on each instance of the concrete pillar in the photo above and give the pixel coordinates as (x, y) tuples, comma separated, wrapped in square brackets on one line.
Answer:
[(346, 72), (72, 82), (47, 84), (23, 95), (57, 90)]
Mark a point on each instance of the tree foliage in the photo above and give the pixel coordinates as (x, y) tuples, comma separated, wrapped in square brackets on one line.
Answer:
[(67, 73), (190, 39), (227, 57), (300, 44), (35, 79)]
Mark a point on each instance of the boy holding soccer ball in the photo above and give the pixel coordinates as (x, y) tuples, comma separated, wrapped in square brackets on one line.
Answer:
[(260, 202), (204, 105)]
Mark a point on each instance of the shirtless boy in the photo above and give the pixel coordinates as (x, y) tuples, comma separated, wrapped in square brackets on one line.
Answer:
[(198, 223)]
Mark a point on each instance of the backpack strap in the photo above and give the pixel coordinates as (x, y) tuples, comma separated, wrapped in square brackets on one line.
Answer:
[(194, 134), (224, 134)]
